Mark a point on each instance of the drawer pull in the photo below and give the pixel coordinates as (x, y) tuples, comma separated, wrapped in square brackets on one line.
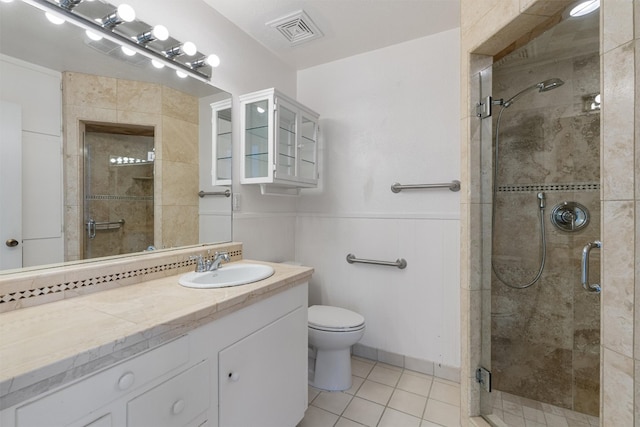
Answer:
[(178, 407), (126, 381), (234, 376)]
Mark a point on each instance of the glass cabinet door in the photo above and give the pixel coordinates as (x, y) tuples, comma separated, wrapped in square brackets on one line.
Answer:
[(308, 149), (221, 120), (256, 142), (286, 136)]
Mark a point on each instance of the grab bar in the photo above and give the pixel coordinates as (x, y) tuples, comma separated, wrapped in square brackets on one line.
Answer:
[(225, 193), (92, 226), (401, 263), (585, 266), (453, 186)]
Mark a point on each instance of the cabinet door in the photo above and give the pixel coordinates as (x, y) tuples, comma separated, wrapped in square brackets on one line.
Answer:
[(308, 149), (256, 139), (286, 140), (221, 127), (263, 377)]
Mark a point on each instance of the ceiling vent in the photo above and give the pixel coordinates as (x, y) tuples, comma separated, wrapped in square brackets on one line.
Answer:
[(296, 27)]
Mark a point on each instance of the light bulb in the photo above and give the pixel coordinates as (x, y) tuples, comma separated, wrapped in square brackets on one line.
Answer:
[(128, 51), (181, 74), (189, 48), (93, 36), (213, 60), (126, 13), (160, 32), (584, 8), (54, 19), (597, 98), (157, 64)]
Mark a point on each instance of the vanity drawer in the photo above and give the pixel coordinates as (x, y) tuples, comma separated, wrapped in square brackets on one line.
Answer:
[(176, 402), (94, 391)]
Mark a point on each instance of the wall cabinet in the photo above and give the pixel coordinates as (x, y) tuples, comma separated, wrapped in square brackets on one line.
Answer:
[(248, 368), (279, 142), (221, 127)]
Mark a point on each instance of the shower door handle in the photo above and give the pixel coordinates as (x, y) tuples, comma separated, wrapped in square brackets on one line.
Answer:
[(585, 266), (91, 228)]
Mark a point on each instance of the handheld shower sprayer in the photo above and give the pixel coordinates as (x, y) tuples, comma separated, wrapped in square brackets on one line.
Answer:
[(542, 86), (541, 199)]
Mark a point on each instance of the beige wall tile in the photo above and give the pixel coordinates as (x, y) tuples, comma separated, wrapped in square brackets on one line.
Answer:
[(618, 81), (180, 225), (89, 90), (139, 96), (618, 390), (548, 8), (618, 272), (180, 184), (180, 141), (617, 23), (179, 105)]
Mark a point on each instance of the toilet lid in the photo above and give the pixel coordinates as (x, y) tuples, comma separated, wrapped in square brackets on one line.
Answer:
[(330, 318)]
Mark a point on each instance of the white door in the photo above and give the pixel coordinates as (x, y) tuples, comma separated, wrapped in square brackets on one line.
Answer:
[(10, 185)]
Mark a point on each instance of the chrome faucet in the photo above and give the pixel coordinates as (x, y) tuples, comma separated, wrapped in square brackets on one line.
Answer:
[(218, 257), (201, 264)]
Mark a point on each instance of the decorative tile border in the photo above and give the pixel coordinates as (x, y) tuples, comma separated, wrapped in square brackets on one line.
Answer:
[(116, 197), (586, 186), (94, 278)]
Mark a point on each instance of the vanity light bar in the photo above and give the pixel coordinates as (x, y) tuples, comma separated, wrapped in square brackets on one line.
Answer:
[(108, 34)]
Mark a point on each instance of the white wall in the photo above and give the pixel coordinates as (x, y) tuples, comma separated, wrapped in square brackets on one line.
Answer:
[(391, 115), (37, 91)]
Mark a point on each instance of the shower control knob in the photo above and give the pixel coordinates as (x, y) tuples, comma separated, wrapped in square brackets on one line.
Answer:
[(570, 216)]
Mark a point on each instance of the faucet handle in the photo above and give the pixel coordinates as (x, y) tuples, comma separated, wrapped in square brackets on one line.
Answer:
[(200, 264), (222, 255)]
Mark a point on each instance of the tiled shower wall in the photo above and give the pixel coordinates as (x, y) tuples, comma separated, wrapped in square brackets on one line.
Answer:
[(487, 27), (174, 118), (545, 339)]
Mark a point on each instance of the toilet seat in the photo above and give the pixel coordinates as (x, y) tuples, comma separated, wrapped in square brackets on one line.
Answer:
[(334, 319)]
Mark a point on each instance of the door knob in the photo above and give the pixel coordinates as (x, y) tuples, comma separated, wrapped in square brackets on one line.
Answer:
[(12, 243)]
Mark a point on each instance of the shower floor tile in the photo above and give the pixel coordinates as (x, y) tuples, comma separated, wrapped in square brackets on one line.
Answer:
[(517, 411)]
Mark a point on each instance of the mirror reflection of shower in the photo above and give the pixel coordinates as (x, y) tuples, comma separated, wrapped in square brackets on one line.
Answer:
[(543, 86)]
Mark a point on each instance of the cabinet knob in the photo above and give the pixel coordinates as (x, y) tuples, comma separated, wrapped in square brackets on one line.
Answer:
[(126, 381), (177, 407), (234, 376)]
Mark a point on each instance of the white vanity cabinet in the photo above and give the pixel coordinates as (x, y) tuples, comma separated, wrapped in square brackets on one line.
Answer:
[(279, 142), (246, 368)]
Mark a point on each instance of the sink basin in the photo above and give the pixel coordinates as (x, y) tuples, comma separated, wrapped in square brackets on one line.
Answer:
[(227, 275)]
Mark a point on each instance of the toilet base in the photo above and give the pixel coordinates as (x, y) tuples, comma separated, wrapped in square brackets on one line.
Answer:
[(333, 370)]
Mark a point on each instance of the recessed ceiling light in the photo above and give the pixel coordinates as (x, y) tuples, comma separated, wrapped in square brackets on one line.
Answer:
[(584, 7)]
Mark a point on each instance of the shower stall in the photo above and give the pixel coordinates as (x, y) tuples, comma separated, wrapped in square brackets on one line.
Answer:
[(540, 108)]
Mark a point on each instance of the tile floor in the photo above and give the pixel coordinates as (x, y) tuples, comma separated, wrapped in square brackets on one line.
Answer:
[(385, 396), (518, 411)]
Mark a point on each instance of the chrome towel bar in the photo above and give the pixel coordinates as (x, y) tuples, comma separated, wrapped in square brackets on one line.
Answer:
[(400, 262), (225, 193), (453, 186)]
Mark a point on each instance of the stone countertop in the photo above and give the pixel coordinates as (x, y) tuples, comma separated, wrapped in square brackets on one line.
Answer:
[(48, 345)]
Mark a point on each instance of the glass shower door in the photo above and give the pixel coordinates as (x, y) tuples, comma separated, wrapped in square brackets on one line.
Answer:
[(118, 192)]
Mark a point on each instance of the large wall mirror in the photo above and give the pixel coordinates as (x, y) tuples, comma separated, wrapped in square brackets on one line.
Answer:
[(112, 164)]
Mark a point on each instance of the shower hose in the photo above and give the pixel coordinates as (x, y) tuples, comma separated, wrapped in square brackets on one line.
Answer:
[(543, 241)]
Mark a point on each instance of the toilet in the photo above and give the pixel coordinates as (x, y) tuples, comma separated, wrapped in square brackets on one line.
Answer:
[(332, 332)]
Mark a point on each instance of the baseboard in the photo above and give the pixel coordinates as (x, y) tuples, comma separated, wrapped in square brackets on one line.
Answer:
[(423, 366)]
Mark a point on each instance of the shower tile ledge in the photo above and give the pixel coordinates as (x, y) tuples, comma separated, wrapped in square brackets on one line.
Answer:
[(48, 345)]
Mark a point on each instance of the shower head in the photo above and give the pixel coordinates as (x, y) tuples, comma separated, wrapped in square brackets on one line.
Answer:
[(549, 84), (542, 86)]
